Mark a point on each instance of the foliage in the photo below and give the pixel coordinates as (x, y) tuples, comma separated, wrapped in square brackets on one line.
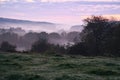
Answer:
[(100, 37), (6, 47), (77, 49), (40, 46)]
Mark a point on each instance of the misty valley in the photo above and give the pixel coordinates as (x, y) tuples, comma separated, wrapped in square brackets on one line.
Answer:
[(31, 50), (23, 33), (98, 36), (23, 40)]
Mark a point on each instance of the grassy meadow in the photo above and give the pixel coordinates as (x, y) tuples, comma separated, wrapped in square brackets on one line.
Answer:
[(15, 66)]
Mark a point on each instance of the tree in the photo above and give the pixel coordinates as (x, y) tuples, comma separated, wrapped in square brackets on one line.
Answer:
[(73, 36), (43, 36), (40, 46), (54, 36), (78, 49), (11, 38), (111, 44), (27, 40), (6, 47), (94, 32), (101, 36)]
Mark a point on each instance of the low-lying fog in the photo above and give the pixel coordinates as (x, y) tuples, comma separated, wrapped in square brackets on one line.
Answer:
[(23, 40), (23, 33)]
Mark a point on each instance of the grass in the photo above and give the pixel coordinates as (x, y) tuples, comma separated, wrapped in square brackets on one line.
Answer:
[(15, 66)]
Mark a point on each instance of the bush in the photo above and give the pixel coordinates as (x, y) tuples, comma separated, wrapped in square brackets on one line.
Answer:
[(78, 49), (6, 47), (40, 46)]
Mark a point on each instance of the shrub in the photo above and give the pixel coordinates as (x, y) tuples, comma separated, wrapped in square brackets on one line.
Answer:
[(6, 47)]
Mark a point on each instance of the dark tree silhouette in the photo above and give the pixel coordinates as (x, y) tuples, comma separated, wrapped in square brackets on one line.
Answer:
[(54, 35), (6, 47), (77, 49), (72, 36), (100, 37), (111, 42), (94, 30), (40, 46)]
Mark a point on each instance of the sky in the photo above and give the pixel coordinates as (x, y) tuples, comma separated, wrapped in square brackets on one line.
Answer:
[(59, 11)]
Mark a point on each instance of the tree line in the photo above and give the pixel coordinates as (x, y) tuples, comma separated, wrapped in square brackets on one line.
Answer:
[(100, 37), (30, 39)]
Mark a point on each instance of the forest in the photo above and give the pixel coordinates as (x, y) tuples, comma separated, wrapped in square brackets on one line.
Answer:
[(99, 37)]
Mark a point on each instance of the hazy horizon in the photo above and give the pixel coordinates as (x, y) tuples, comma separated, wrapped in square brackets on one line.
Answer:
[(70, 12)]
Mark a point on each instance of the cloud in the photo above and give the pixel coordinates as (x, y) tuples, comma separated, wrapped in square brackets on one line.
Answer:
[(69, 12), (60, 0), (93, 9), (80, 0), (109, 16), (112, 16), (103, 0), (2, 1), (30, 1)]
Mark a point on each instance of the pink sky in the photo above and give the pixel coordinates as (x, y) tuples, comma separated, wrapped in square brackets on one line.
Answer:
[(59, 11)]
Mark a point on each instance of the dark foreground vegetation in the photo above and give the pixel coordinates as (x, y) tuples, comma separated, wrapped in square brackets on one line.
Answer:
[(57, 67)]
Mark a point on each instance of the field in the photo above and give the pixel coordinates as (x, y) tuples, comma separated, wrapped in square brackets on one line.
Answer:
[(57, 67)]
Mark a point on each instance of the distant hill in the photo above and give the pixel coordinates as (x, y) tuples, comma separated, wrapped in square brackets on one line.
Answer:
[(27, 25)]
